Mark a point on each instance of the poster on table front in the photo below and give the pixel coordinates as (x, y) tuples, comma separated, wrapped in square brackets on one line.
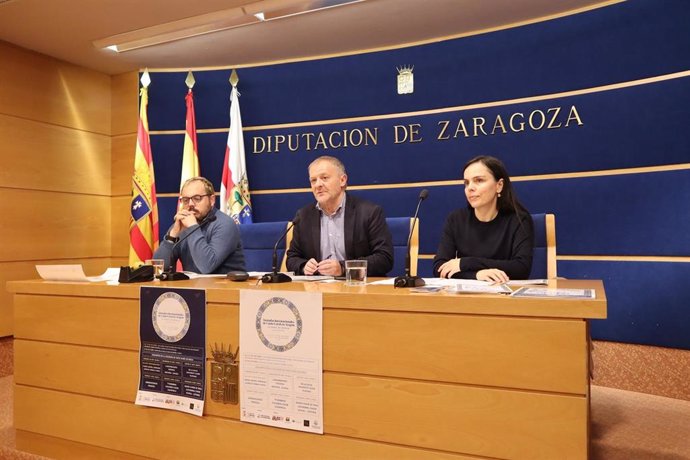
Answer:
[(281, 363), (172, 352)]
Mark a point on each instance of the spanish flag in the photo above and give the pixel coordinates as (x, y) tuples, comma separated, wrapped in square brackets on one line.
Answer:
[(143, 224)]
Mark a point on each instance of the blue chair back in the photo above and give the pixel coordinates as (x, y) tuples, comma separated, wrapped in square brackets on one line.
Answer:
[(258, 240), (544, 253), (400, 231)]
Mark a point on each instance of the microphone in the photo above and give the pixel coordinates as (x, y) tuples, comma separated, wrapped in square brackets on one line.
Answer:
[(406, 280), (274, 276), (171, 274)]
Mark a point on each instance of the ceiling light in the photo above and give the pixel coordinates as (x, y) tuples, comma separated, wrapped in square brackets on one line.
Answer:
[(251, 13)]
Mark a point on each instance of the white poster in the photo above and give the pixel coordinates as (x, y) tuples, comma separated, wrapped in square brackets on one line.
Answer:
[(281, 360)]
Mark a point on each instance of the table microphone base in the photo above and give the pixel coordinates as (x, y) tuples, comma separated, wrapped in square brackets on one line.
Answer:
[(172, 276), (275, 278), (408, 281)]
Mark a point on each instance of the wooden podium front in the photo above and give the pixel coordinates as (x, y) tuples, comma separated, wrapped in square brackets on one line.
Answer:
[(406, 376)]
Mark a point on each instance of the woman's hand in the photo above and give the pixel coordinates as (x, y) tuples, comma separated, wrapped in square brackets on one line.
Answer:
[(449, 268), (493, 274)]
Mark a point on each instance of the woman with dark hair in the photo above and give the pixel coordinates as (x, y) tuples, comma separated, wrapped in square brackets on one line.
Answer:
[(492, 238)]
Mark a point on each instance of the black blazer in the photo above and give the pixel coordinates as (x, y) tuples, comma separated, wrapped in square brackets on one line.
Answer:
[(366, 237)]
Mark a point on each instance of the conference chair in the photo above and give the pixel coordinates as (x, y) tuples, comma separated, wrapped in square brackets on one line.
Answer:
[(544, 253), (258, 240), (400, 231)]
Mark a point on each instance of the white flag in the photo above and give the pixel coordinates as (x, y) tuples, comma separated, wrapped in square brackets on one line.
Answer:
[(234, 189)]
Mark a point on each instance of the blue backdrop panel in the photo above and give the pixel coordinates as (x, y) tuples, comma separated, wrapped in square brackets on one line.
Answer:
[(645, 304), (425, 268), (607, 139), (612, 128), (166, 211), (584, 50), (167, 161), (634, 214)]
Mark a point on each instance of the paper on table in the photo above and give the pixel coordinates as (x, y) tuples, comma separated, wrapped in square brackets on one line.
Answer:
[(311, 277), (453, 282), (564, 293), (478, 288), (110, 274), (386, 282), (527, 282), (194, 275), (74, 272), (442, 282)]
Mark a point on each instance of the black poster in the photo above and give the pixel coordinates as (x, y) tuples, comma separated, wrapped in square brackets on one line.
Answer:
[(172, 353)]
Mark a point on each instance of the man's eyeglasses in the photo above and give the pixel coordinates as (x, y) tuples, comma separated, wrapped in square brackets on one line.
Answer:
[(196, 199)]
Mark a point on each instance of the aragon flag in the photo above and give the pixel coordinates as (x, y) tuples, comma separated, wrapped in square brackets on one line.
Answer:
[(234, 188), (143, 224)]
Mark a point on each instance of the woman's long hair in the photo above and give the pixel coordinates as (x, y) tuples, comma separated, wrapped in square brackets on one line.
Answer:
[(507, 202)]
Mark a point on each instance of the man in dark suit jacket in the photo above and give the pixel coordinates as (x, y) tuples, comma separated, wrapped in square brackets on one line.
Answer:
[(338, 227)]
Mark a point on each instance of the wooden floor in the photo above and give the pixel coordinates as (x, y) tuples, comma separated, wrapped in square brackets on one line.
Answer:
[(625, 425)]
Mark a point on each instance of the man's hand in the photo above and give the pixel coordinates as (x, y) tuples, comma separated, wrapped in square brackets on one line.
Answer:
[(330, 267), (310, 267), (183, 219)]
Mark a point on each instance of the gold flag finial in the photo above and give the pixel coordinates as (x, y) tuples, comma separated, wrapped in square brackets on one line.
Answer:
[(234, 79), (190, 80), (145, 78)]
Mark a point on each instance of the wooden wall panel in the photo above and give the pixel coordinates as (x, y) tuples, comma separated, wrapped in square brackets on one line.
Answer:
[(55, 167), (119, 243), (48, 225), (122, 153), (10, 271), (109, 324), (125, 427), (538, 354), (44, 89), (41, 156), (92, 371), (125, 116), (355, 406), (59, 449), (481, 421), (125, 103)]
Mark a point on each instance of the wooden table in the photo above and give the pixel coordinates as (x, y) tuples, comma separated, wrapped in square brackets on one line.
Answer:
[(406, 375)]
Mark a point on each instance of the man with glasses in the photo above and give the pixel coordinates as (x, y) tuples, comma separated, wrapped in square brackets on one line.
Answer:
[(204, 239), (338, 227)]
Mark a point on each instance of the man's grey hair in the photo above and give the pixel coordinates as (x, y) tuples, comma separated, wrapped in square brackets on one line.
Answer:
[(333, 160)]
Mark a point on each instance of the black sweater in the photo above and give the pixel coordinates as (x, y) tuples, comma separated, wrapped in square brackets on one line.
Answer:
[(504, 243)]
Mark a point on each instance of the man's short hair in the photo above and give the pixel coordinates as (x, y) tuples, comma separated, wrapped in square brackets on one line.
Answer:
[(208, 186), (333, 160)]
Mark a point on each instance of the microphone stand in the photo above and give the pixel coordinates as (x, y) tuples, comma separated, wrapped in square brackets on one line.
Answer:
[(408, 280), (275, 276)]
